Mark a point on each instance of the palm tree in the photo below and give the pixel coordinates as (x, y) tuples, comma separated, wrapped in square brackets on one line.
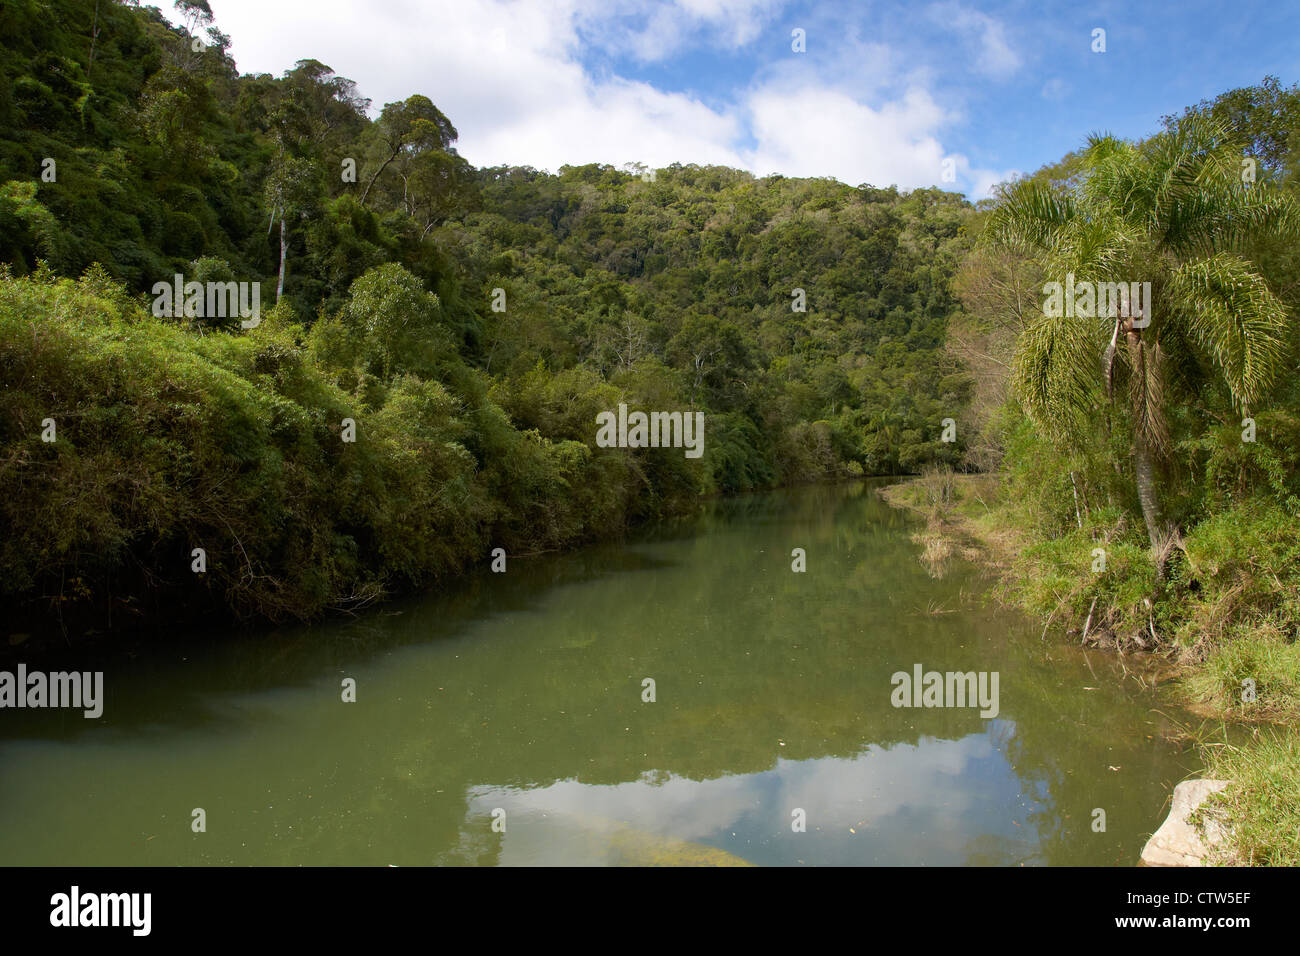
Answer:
[(1172, 211)]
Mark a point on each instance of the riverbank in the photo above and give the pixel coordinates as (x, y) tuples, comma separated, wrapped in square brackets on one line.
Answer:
[(1242, 687)]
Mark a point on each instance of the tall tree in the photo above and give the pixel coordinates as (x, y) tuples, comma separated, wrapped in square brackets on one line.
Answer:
[(1173, 211), (414, 125), (291, 190)]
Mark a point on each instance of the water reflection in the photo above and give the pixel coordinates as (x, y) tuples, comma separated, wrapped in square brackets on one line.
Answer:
[(912, 803), (523, 692)]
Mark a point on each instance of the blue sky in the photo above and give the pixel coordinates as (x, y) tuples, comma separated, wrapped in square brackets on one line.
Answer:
[(884, 92)]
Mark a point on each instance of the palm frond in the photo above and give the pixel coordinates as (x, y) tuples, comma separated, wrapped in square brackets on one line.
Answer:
[(1186, 365), (1031, 217), (1234, 318), (1147, 363), (1205, 222), (1102, 147), (1054, 373)]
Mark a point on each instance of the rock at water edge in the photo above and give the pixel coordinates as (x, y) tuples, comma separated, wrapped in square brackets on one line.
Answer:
[(1177, 842)]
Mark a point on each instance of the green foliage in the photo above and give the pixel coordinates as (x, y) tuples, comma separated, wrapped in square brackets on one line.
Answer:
[(1261, 802), (695, 274), (1209, 410), (1255, 676), (168, 439), (803, 318), (1259, 118), (394, 324), (1240, 577)]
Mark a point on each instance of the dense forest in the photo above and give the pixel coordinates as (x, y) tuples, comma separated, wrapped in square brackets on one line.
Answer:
[(435, 341)]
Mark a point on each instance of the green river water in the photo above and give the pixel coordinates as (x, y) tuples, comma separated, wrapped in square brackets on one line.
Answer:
[(519, 697)]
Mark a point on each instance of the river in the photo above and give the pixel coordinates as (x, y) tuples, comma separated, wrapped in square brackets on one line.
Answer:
[(506, 720)]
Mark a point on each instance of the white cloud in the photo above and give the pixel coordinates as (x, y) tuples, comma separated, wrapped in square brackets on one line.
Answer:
[(818, 131), (931, 780), (985, 179), (613, 122), (510, 76), (670, 27)]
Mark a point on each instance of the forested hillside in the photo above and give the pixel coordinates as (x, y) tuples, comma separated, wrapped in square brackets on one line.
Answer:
[(422, 381), (469, 323)]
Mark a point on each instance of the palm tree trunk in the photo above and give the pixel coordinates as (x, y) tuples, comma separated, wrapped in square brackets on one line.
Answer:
[(1144, 467), (1145, 473)]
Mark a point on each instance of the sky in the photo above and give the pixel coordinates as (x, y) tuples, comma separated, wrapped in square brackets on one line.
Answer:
[(955, 94)]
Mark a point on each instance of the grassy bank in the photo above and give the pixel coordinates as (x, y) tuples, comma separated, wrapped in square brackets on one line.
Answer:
[(1219, 625)]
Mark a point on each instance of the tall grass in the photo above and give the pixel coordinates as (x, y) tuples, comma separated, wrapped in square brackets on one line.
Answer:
[(1263, 802)]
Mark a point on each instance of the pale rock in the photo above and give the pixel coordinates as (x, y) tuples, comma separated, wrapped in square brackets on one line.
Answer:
[(1177, 842)]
